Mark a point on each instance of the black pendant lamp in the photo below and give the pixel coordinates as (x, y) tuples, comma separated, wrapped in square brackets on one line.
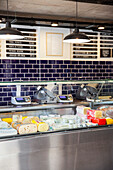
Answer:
[(9, 33), (76, 36)]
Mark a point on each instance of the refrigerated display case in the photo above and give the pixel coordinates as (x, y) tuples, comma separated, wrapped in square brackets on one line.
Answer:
[(75, 148)]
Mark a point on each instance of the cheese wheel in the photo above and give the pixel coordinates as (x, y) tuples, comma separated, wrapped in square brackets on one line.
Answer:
[(25, 128), (41, 126)]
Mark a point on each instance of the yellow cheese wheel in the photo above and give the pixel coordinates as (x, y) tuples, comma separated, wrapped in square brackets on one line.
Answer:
[(41, 126), (8, 120)]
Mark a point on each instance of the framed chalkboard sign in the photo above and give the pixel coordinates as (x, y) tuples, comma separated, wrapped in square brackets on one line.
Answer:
[(105, 53)]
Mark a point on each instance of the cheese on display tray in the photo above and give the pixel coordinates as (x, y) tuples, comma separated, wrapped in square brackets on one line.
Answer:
[(82, 110), (4, 125), (99, 121), (41, 126), (109, 121), (84, 117), (8, 120), (94, 113), (8, 132), (25, 128)]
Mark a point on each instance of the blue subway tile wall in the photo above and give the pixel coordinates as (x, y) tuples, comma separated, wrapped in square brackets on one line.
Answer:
[(44, 70)]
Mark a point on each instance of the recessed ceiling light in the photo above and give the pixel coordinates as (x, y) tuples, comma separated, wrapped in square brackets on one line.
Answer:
[(54, 24), (101, 28)]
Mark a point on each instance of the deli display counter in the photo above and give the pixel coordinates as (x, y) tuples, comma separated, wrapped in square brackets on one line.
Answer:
[(61, 138)]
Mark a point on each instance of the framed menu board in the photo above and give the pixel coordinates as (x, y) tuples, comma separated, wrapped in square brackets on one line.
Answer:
[(26, 47)]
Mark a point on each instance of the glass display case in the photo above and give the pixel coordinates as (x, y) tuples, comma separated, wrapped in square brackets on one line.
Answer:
[(59, 135), (56, 117), (38, 119), (63, 144)]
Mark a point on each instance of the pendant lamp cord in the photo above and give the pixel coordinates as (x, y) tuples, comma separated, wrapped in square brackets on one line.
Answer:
[(7, 11), (76, 14)]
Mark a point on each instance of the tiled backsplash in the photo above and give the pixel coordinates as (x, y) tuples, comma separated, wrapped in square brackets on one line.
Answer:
[(29, 70)]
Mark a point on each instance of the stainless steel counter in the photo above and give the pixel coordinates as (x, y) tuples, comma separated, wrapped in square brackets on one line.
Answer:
[(88, 149)]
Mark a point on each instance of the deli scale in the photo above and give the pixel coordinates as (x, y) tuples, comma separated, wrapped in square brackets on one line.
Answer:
[(21, 100), (18, 99)]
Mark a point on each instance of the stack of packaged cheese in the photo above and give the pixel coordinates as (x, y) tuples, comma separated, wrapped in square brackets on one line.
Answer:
[(96, 117)]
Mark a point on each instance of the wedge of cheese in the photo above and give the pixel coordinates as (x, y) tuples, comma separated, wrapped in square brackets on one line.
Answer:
[(109, 121), (8, 120)]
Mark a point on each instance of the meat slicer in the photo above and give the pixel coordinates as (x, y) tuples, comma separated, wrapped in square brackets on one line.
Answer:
[(86, 93), (45, 94)]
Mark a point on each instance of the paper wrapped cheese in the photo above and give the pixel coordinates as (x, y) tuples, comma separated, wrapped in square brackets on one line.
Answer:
[(94, 114), (41, 126), (82, 110), (25, 128)]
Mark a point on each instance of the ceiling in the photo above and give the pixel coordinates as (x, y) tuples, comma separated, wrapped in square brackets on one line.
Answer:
[(104, 2), (100, 11)]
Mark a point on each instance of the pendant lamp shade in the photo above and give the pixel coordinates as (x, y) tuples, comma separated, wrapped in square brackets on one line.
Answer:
[(9, 33), (76, 37)]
